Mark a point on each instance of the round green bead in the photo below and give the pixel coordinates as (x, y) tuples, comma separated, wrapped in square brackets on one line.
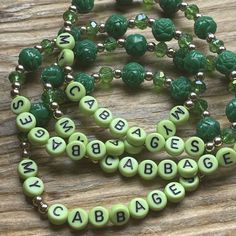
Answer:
[(133, 74), (38, 136), (194, 62), (77, 218), (179, 115), (136, 136), (147, 169), (75, 150), (83, 6), (187, 168), (138, 208), (65, 41), (33, 186), (207, 164), (167, 169), (65, 127), (66, 58), (191, 11), (179, 57), (194, 146), (96, 150), (48, 46), (88, 105), (131, 149), (30, 59), (230, 110), (163, 29), (226, 157), (99, 217), (154, 142), (159, 81), (78, 136), (54, 75), (211, 63), (198, 86), (170, 6), (85, 51), (56, 146), (174, 146), (57, 214), (166, 128), (25, 122), (103, 117), (116, 26), (16, 76), (203, 26), (20, 104), (190, 184), (27, 168), (75, 91), (136, 45), (75, 32), (141, 21), (232, 87), (106, 74), (207, 129), (156, 200), (175, 192), (92, 28), (110, 44), (228, 135), (109, 164), (215, 45), (119, 214), (119, 127), (87, 81), (115, 147), (128, 166)]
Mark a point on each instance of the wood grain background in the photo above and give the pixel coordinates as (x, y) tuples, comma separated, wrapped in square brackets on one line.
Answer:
[(209, 211)]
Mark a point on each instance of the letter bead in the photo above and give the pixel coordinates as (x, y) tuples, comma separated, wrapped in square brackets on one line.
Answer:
[(75, 150), (136, 136), (65, 41), (56, 146), (78, 136), (128, 166), (119, 214), (179, 115), (33, 186), (115, 147), (147, 169), (25, 122), (167, 169), (190, 184), (187, 168), (157, 200), (166, 128), (154, 142), (88, 105), (98, 217), (96, 150), (20, 104), (129, 148), (175, 192), (65, 127), (75, 91), (138, 208), (103, 117), (119, 127), (195, 146), (207, 164), (27, 168), (66, 58), (226, 157), (38, 136), (77, 219), (174, 146), (57, 214), (109, 164)]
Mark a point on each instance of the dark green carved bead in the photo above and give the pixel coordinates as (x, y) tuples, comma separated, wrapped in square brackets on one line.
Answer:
[(231, 110), (83, 6), (203, 26), (86, 80), (116, 25), (85, 51), (54, 75), (207, 129), (30, 59), (194, 62), (163, 29), (75, 32), (180, 88), (178, 58), (124, 2), (136, 45), (133, 74), (228, 135), (226, 62), (170, 6)]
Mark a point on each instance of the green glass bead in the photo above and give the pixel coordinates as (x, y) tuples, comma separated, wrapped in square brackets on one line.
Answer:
[(179, 115), (77, 219), (128, 166), (55, 146), (190, 184), (27, 168), (147, 169), (65, 127), (195, 61), (187, 168), (86, 80), (25, 122), (41, 113), (124, 2), (75, 150), (175, 192), (207, 164), (226, 62), (133, 74), (131, 149), (38, 136), (215, 45), (226, 157), (48, 46), (119, 127), (16, 76), (138, 208), (167, 169), (161, 49), (98, 217), (230, 110), (203, 26), (33, 186), (78, 136), (181, 88), (211, 63), (141, 21), (163, 29), (194, 147), (159, 81), (92, 28), (199, 107), (75, 32), (154, 142), (208, 128), (232, 86), (178, 58), (83, 6), (228, 135), (103, 117), (54, 75), (166, 128), (109, 164), (70, 16), (170, 6), (96, 150), (119, 214), (116, 26), (57, 214), (88, 105), (85, 52), (106, 74), (115, 147), (198, 86), (185, 39), (136, 136), (191, 11), (54, 95), (110, 44), (20, 104), (135, 45), (174, 146), (30, 59)]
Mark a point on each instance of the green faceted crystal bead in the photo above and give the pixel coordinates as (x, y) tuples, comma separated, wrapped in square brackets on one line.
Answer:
[(159, 81), (191, 11), (92, 28), (87, 81), (116, 26), (110, 44), (75, 32), (54, 95), (228, 135), (215, 45), (83, 6), (230, 110), (70, 16), (48, 46), (30, 59), (208, 128), (16, 76), (199, 107), (163, 29), (211, 63), (170, 6), (136, 45), (185, 39), (161, 49), (203, 26), (141, 21), (133, 74), (106, 74), (178, 58), (198, 86), (232, 87)]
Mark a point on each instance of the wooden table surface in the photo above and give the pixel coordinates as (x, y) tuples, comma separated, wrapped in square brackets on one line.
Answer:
[(209, 211)]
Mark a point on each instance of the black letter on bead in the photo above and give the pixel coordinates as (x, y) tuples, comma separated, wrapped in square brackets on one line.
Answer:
[(90, 103), (77, 217), (187, 164), (174, 189), (120, 125), (55, 144), (147, 169), (176, 113), (139, 206), (194, 144), (75, 150), (208, 165), (156, 199), (39, 133), (128, 164), (106, 160), (120, 216), (26, 167), (65, 126), (96, 148), (174, 143), (73, 88), (18, 104), (55, 209), (104, 115), (227, 159), (168, 168), (63, 39), (154, 142), (99, 216), (137, 131), (35, 184), (167, 130), (26, 121)]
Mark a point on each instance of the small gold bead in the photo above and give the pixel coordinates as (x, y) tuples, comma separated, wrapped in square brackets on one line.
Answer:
[(54, 106), (68, 69), (191, 46), (170, 52), (193, 96), (100, 47), (210, 37), (69, 78), (73, 8), (150, 22), (183, 6), (167, 82), (177, 35)]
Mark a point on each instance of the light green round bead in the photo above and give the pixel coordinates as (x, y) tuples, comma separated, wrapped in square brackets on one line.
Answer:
[(138, 208), (147, 169), (156, 200), (33, 186), (75, 91), (115, 147), (27, 168), (20, 104), (128, 166), (190, 184), (57, 214), (88, 105), (132, 149), (187, 168), (154, 142), (109, 164), (65, 41), (195, 146), (77, 219), (166, 128), (25, 122), (75, 150), (119, 214), (66, 58), (99, 216), (174, 146), (96, 150), (38, 136), (78, 136), (167, 169), (103, 117), (136, 136), (56, 146), (119, 127), (65, 127), (179, 115), (207, 164), (226, 157), (175, 192)]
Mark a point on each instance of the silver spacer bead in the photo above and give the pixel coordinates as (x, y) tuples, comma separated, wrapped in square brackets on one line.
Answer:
[(117, 74), (43, 208), (37, 200), (193, 96), (100, 47), (39, 48), (148, 76), (47, 86), (170, 52), (210, 147), (178, 34), (25, 145), (150, 22), (198, 15), (218, 141), (25, 153), (67, 24), (68, 69), (54, 106), (210, 37), (221, 49), (121, 43), (83, 29), (69, 78), (189, 104), (16, 85), (206, 114), (183, 6), (200, 75), (233, 125), (167, 82), (101, 28), (96, 77), (57, 114), (131, 23), (191, 46), (151, 46), (67, 29), (232, 75), (20, 68), (73, 8), (15, 92)]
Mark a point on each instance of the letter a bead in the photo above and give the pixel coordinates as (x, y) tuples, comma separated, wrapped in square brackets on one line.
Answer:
[(128, 166), (33, 186), (119, 214), (175, 192), (115, 147), (55, 146), (65, 127), (138, 208), (98, 217), (136, 136), (88, 105), (57, 214), (77, 219), (187, 168), (25, 121), (75, 91), (66, 58)]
